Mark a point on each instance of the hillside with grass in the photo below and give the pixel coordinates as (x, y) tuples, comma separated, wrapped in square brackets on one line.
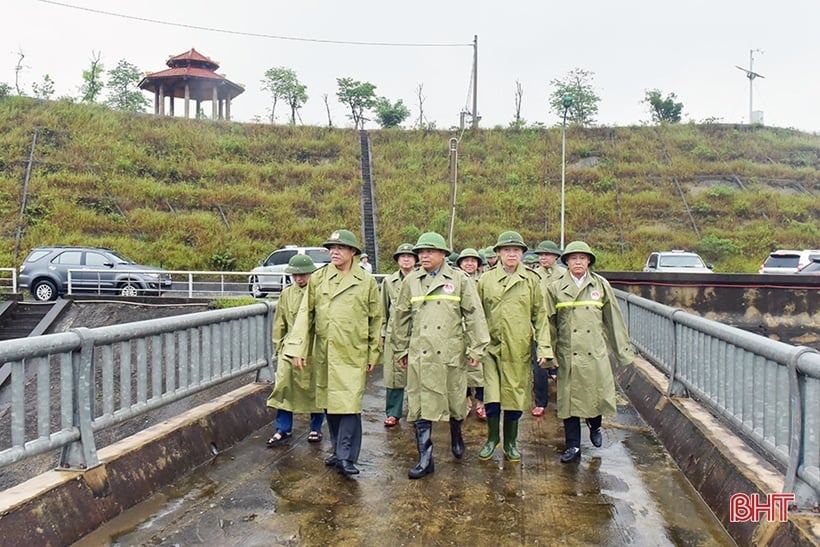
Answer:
[(205, 195)]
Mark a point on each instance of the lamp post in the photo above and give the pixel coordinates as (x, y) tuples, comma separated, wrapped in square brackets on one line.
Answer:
[(567, 102), (453, 178)]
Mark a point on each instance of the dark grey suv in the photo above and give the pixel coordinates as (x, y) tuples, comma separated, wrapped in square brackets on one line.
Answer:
[(45, 272)]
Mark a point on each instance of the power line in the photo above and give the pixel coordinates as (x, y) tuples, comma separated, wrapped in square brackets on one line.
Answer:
[(251, 34)]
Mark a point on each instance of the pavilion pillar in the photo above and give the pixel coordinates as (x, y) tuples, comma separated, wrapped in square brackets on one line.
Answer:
[(161, 100), (198, 108), (171, 99), (214, 104), (228, 108), (156, 102), (221, 110), (187, 99)]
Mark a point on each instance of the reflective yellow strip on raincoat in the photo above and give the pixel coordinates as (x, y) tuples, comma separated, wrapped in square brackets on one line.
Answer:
[(597, 303), (452, 297)]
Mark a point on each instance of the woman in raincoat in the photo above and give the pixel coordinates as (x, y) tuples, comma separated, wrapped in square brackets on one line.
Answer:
[(585, 319), (514, 306), (341, 313)]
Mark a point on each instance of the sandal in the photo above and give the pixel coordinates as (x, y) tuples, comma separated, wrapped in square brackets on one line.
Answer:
[(278, 438), (314, 436), (480, 411), (391, 421)]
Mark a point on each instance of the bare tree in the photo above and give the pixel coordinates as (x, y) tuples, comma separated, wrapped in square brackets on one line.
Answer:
[(519, 94), (422, 121), (327, 107), (17, 69)]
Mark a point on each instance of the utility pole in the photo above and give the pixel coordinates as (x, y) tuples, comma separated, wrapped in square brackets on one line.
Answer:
[(751, 74), (453, 178), (475, 81)]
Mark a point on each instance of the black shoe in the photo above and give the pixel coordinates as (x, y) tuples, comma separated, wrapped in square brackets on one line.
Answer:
[(596, 437), (331, 460), (570, 454), (419, 471), (347, 468)]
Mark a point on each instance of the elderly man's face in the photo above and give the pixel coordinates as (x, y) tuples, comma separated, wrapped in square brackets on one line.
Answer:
[(510, 256), (469, 264), (578, 263), (546, 259), (431, 259)]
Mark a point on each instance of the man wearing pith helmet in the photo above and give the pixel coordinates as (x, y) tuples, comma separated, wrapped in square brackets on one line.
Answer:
[(548, 254), (341, 312), (514, 306), (395, 377), (295, 389), (437, 311), (468, 262), (586, 318)]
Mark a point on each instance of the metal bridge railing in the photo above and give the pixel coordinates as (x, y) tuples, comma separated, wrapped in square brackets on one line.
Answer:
[(766, 390), (65, 387), (8, 280)]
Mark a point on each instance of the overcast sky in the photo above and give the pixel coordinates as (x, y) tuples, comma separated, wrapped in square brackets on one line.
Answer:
[(686, 47)]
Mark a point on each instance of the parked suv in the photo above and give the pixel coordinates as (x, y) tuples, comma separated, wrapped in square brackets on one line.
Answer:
[(676, 261), (45, 273), (786, 261), (270, 276)]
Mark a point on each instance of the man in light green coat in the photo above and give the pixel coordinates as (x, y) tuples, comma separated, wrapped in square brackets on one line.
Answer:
[(514, 305), (585, 319), (436, 311), (469, 261), (548, 254), (294, 390), (341, 312), (395, 377)]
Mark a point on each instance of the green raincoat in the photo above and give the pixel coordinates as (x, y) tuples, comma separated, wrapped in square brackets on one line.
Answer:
[(395, 377), (294, 390), (514, 306), (584, 321), (432, 318), (342, 315)]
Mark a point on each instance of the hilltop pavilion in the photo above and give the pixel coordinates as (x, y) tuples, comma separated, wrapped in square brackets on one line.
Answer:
[(191, 75)]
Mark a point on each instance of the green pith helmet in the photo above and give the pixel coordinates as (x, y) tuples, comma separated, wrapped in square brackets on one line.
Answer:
[(431, 240), (300, 264), (530, 259), (489, 252), (363, 255), (452, 258), (404, 249), (510, 239), (468, 252), (483, 255), (343, 237), (578, 247), (547, 247)]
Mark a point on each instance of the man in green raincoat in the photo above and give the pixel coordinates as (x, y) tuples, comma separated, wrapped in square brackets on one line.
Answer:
[(436, 311), (294, 390), (585, 318), (469, 261), (514, 306), (341, 312), (548, 254), (395, 377)]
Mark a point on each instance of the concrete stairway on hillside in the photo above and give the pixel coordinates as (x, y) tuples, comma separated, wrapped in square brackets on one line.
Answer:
[(371, 246), (22, 319)]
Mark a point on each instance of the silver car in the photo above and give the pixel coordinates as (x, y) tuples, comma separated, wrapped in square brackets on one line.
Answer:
[(676, 261), (270, 276)]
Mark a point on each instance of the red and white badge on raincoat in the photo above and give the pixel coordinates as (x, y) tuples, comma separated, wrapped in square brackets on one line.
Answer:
[(595, 295), (449, 288)]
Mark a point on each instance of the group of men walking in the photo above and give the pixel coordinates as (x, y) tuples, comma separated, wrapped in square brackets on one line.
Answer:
[(431, 325)]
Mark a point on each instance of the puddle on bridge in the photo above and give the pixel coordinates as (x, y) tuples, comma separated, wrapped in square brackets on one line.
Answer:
[(629, 492)]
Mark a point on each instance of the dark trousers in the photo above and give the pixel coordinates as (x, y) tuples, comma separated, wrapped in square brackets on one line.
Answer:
[(572, 429), (478, 393), (540, 381), (284, 421), (394, 402), (494, 409), (346, 435)]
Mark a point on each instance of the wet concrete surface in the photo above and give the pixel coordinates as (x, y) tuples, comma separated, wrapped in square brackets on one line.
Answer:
[(628, 492)]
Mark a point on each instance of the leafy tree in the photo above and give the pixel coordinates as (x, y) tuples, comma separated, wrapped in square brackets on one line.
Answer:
[(578, 85), (282, 83), (44, 90), (123, 91), (358, 96), (92, 79), (663, 110), (5, 89), (390, 115)]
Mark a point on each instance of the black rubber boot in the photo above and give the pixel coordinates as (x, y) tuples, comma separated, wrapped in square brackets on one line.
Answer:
[(456, 440), (424, 442)]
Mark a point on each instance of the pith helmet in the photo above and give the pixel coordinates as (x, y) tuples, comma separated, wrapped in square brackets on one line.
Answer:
[(530, 259), (363, 255), (404, 249), (468, 252), (431, 240), (510, 239), (343, 237), (300, 264), (489, 252), (547, 247), (578, 247)]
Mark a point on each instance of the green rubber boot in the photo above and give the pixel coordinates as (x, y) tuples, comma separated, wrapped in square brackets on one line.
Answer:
[(510, 440), (493, 438)]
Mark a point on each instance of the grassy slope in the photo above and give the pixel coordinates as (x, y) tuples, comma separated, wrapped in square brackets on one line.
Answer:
[(192, 194)]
